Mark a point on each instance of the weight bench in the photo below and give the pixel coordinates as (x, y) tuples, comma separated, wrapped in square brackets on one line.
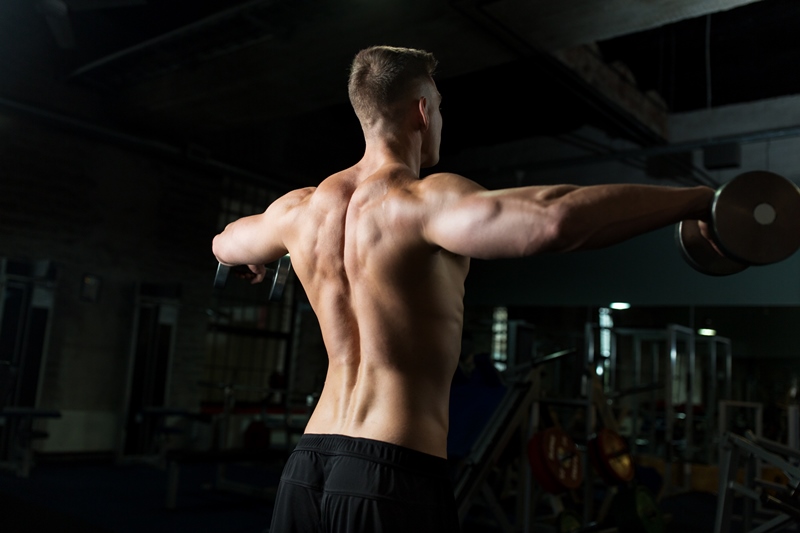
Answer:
[(785, 500), (507, 408)]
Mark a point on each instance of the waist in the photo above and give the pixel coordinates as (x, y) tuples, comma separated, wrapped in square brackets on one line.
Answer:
[(374, 450), (384, 419)]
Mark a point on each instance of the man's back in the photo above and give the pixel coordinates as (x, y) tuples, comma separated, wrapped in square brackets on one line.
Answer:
[(389, 305)]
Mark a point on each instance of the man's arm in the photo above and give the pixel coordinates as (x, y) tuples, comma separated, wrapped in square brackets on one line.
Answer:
[(258, 239), (464, 218)]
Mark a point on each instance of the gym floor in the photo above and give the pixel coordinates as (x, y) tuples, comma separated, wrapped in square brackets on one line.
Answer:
[(99, 497)]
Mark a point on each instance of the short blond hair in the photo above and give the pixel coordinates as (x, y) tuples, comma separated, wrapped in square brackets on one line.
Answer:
[(381, 75)]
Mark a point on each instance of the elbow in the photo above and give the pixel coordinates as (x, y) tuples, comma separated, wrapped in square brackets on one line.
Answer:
[(553, 232), (218, 248)]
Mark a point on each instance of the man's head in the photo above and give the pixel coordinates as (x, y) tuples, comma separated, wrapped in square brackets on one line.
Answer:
[(386, 82)]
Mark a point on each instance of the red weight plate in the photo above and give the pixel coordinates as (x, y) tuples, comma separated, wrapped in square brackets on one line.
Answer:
[(611, 458), (555, 461)]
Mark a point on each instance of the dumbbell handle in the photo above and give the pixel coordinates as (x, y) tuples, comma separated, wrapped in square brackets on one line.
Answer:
[(279, 276), (223, 273)]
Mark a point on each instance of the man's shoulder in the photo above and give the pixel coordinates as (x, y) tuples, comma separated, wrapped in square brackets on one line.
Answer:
[(295, 197), (446, 183)]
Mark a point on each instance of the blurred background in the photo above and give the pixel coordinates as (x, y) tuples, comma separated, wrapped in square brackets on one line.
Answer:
[(135, 395)]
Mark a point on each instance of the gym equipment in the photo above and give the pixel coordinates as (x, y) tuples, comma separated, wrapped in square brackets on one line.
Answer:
[(555, 461), (255, 448), (700, 254), (19, 423), (636, 511), (279, 275), (509, 411), (782, 498), (755, 220), (608, 450), (610, 457), (568, 522)]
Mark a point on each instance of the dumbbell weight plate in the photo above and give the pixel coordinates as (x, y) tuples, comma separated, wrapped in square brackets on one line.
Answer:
[(756, 218), (221, 277), (700, 254), (280, 277)]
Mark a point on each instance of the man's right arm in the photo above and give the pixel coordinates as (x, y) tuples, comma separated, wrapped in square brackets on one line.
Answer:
[(259, 239), (464, 218)]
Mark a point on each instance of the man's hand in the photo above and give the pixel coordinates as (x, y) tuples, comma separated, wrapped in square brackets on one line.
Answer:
[(707, 233), (252, 273)]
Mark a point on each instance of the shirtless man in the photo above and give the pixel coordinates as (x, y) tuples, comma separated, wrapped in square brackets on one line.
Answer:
[(383, 256)]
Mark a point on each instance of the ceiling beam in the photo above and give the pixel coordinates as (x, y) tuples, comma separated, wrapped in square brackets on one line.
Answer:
[(618, 85), (608, 92), (567, 23)]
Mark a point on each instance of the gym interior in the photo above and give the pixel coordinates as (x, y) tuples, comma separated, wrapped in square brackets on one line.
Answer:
[(622, 389)]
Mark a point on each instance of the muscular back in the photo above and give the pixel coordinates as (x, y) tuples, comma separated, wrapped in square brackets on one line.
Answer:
[(382, 256), (390, 306)]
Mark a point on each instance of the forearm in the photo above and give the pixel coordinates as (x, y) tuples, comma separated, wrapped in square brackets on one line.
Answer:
[(531, 220), (603, 215), (468, 220)]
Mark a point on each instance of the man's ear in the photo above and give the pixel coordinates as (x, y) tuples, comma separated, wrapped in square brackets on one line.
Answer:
[(423, 113)]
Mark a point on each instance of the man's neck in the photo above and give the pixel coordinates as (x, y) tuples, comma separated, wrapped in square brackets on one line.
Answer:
[(382, 150)]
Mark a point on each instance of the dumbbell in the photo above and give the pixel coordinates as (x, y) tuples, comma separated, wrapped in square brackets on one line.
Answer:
[(755, 220), (279, 275)]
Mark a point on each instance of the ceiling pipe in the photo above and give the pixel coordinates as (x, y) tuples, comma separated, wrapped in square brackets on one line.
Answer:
[(201, 24), (190, 155)]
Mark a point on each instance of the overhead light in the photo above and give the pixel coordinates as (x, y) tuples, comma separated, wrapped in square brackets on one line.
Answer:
[(707, 332), (620, 306)]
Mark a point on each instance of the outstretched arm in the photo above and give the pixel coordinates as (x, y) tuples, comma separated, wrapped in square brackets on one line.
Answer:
[(466, 219), (258, 239)]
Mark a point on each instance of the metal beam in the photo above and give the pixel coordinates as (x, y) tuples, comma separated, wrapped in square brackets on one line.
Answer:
[(617, 85), (194, 27), (566, 23), (666, 149), (150, 146), (574, 82)]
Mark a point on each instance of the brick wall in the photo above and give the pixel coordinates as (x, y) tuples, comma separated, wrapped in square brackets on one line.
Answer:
[(94, 208)]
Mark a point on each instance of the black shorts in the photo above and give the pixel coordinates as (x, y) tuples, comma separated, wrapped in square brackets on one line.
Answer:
[(336, 483)]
